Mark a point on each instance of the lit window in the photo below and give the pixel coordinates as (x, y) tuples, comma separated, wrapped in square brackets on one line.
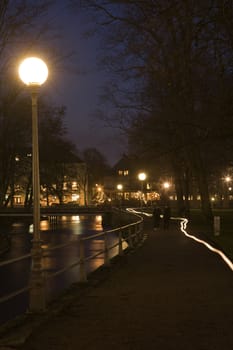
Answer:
[(17, 200), (64, 185), (74, 185), (75, 197), (120, 172), (126, 172)]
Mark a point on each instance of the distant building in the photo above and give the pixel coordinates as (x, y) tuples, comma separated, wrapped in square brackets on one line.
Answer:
[(125, 186), (62, 182)]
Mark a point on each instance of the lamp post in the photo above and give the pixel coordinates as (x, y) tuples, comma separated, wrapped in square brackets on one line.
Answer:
[(34, 72), (227, 181), (165, 192), (141, 177), (120, 188)]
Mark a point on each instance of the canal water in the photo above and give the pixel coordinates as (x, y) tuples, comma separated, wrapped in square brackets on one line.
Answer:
[(65, 229)]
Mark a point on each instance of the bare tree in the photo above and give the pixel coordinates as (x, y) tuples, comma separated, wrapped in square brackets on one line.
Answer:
[(176, 54), (24, 30)]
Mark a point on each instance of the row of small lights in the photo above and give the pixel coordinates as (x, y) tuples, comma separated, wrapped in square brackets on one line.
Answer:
[(119, 187), (166, 185)]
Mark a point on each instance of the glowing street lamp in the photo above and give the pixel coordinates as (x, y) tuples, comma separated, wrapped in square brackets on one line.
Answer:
[(227, 179), (34, 72), (142, 178), (166, 185), (120, 187)]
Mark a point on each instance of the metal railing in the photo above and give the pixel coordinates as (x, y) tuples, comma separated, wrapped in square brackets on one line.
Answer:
[(128, 235)]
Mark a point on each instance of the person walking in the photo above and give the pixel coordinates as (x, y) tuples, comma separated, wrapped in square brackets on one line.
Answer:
[(156, 217), (166, 217)]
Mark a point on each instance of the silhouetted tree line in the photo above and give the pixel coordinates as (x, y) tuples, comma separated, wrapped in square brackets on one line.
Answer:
[(24, 30), (173, 63)]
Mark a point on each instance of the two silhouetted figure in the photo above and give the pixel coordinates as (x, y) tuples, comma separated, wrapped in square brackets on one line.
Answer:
[(166, 214), (166, 217), (156, 217)]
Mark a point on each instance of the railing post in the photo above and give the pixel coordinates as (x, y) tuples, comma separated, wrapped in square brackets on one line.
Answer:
[(106, 252), (120, 252), (130, 238), (37, 298), (139, 232), (82, 267), (136, 235)]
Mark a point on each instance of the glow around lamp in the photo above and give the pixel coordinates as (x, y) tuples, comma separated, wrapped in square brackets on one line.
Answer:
[(142, 176), (33, 71)]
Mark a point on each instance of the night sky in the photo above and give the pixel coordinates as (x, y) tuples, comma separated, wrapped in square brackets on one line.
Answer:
[(79, 85)]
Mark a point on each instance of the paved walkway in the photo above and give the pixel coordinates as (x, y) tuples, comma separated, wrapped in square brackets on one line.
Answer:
[(171, 293)]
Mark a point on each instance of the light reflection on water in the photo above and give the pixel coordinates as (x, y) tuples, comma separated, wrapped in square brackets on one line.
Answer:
[(53, 232), (80, 224), (62, 231), (72, 225)]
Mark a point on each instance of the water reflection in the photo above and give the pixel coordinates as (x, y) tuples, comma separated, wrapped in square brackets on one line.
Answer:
[(44, 225), (72, 225), (63, 230)]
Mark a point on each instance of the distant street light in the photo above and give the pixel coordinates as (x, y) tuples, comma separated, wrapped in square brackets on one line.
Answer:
[(142, 178), (166, 185), (227, 180), (120, 187), (34, 72)]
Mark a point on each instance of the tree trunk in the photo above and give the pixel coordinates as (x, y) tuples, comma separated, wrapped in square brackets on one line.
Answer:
[(178, 178), (202, 182)]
